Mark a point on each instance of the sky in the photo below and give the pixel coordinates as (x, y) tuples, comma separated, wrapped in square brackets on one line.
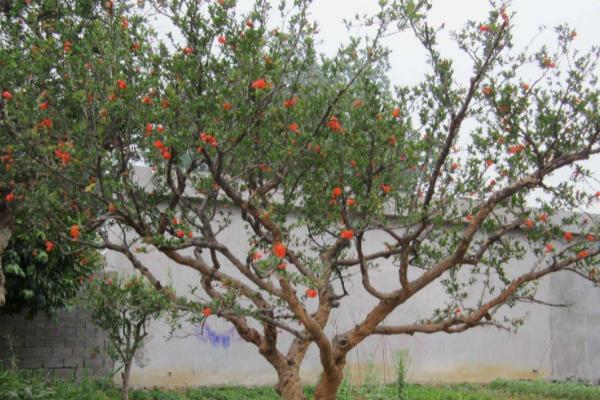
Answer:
[(408, 58)]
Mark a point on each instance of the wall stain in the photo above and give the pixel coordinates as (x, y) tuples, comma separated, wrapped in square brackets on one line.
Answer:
[(471, 373), (467, 373), (180, 378), (216, 338)]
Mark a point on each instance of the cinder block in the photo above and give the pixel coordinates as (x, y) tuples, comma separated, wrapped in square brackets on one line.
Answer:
[(62, 352), (23, 330), (54, 341), (31, 363), (90, 331), (83, 372), (6, 329), (83, 314), (74, 323), (54, 362), (102, 372), (93, 343), (73, 362), (17, 342), (13, 319), (83, 352), (44, 373), (57, 332), (62, 331), (81, 331), (64, 373), (65, 314), (8, 362), (50, 330), (35, 352), (70, 332), (93, 363), (74, 342), (101, 333), (41, 323), (12, 341), (39, 332), (34, 342), (70, 317)]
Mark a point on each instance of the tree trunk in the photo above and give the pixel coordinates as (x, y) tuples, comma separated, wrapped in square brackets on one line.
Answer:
[(5, 234), (329, 383), (125, 376), (289, 385)]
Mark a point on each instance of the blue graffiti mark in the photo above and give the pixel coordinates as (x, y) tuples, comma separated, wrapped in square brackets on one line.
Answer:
[(216, 339)]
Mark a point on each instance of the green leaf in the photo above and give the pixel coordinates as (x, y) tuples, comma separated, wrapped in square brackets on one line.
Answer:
[(14, 269), (27, 294), (42, 257)]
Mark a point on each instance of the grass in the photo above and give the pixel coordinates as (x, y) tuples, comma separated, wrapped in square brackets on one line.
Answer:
[(20, 386), (545, 390)]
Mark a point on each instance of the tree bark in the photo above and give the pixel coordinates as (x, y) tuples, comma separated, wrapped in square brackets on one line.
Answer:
[(125, 376), (5, 234), (289, 386), (329, 382)]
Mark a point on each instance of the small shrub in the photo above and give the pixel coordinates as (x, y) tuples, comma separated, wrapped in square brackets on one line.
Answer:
[(402, 361), (123, 308)]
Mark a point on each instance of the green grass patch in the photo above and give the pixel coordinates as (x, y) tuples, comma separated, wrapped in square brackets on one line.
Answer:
[(28, 386), (547, 390), (25, 386)]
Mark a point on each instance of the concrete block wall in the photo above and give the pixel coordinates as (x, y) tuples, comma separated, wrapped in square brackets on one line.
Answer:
[(66, 346)]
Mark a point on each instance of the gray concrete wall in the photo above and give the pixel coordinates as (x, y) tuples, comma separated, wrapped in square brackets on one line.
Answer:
[(65, 346), (575, 330)]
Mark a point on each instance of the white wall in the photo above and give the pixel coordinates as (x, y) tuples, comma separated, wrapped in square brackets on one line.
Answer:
[(560, 343)]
